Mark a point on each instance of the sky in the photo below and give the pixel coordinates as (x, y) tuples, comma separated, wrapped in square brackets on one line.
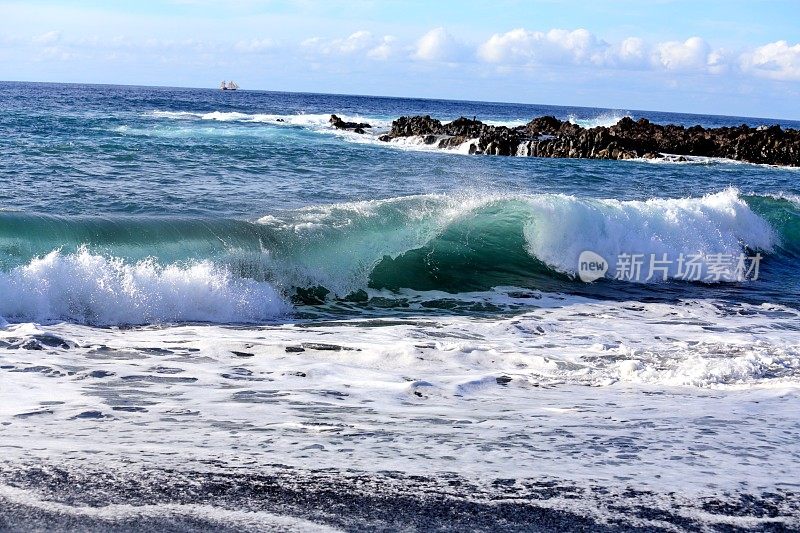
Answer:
[(727, 57)]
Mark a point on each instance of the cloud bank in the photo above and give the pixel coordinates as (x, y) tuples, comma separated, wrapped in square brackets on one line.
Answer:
[(516, 48), (572, 66)]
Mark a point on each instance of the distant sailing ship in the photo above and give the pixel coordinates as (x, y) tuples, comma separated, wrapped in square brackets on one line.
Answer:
[(228, 86)]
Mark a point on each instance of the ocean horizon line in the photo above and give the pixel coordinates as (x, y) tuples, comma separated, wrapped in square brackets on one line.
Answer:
[(626, 109)]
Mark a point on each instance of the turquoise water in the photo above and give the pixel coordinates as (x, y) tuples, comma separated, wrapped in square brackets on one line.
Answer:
[(256, 185)]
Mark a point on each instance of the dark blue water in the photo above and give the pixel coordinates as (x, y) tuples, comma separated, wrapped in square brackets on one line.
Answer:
[(256, 184)]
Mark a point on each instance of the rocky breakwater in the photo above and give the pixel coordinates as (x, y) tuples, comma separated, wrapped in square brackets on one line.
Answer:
[(627, 139)]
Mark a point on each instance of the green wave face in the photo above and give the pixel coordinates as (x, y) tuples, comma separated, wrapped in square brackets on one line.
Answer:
[(23, 237), (783, 215), (481, 251)]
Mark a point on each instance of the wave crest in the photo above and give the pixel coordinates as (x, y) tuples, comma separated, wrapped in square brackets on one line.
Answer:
[(722, 223)]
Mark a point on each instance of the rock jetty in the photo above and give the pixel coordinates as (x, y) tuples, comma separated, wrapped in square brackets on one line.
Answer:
[(627, 139)]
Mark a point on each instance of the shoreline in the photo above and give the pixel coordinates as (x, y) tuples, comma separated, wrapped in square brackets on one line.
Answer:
[(213, 496)]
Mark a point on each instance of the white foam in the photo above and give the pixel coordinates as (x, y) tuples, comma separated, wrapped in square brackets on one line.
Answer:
[(510, 123), (319, 123), (95, 289), (696, 160), (245, 520), (417, 143), (563, 226), (626, 386), (309, 120), (790, 197), (604, 120), (413, 143), (677, 159)]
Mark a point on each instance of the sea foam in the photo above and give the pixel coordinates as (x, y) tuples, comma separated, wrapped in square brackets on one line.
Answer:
[(309, 120), (604, 120), (562, 227), (95, 289)]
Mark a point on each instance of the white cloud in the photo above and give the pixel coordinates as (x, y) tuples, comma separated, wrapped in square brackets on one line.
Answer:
[(521, 46), (254, 46), (632, 51), (581, 47), (510, 47), (358, 43), (437, 45), (777, 61), (384, 50), (720, 61), (355, 42), (47, 39), (692, 54), (311, 42), (55, 53)]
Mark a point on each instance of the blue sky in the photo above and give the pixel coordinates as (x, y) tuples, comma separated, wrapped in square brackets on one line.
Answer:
[(727, 57)]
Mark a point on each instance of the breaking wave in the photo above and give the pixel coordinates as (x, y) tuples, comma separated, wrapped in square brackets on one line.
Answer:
[(94, 289), (141, 270)]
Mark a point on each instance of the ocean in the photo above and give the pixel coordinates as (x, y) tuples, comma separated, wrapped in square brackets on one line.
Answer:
[(217, 312)]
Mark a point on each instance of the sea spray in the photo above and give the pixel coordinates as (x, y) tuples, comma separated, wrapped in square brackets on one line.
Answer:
[(563, 227)]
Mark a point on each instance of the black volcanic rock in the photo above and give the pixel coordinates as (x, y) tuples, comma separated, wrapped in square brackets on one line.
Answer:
[(627, 139), (547, 125), (409, 126), (465, 127), (357, 127)]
